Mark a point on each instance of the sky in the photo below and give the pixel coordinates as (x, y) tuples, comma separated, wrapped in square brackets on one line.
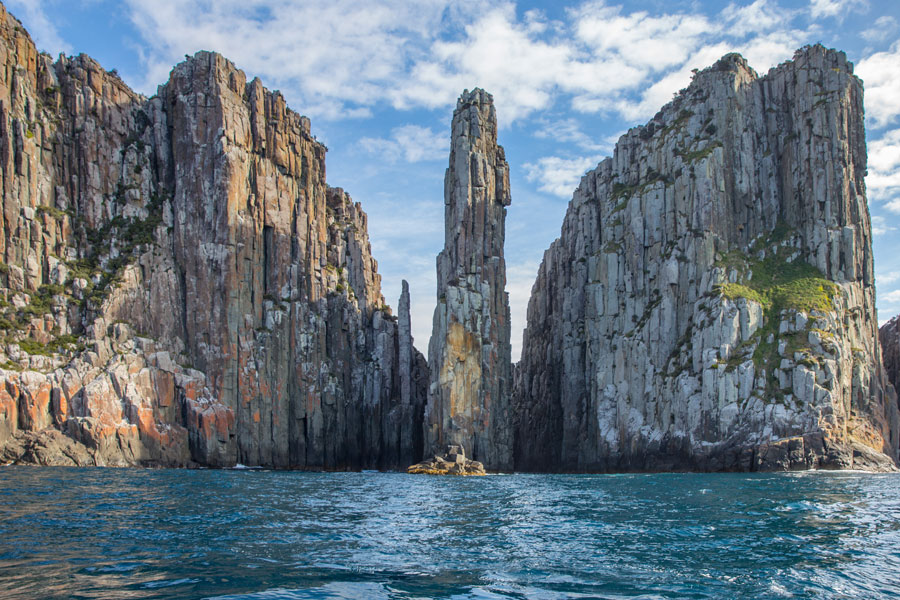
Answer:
[(379, 80)]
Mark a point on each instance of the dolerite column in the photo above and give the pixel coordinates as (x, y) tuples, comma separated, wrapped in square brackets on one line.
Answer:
[(889, 335), (469, 352), (405, 367)]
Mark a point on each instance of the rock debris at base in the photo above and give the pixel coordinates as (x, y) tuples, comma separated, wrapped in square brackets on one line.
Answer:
[(453, 462)]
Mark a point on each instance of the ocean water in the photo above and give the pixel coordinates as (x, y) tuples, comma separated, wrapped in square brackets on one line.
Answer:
[(128, 533)]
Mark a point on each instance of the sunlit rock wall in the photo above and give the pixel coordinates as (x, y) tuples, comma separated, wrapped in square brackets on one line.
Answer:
[(179, 283), (709, 303)]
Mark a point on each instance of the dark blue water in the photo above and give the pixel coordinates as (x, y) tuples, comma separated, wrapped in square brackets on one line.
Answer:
[(107, 533)]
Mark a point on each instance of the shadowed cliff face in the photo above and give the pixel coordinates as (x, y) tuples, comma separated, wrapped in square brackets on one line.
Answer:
[(889, 335), (469, 352), (180, 283), (709, 303)]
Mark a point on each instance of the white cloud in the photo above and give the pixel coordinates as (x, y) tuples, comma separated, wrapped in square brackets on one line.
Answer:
[(758, 31), (883, 180), (331, 56), (835, 8), (890, 298), (884, 152), (558, 176), (760, 16), (880, 225), (648, 43), (883, 27), (660, 92), (887, 278), (497, 53), (411, 143), (340, 59), (600, 57), (766, 51), (571, 131), (881, 74), (39, 25)]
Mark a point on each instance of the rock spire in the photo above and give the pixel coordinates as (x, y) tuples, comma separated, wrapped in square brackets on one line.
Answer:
[(469, 352)]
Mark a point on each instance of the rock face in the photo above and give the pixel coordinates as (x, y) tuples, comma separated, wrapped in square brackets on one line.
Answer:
[(179, 283), (469, 352), (889, 334), (709, 303)]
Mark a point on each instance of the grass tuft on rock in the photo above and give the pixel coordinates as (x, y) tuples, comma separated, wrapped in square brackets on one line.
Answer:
[(778, 284)]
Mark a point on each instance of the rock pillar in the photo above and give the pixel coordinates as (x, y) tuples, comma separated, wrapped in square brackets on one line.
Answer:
[(469, 353)]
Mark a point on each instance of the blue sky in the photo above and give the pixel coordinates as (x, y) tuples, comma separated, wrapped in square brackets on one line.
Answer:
[(380, 79)]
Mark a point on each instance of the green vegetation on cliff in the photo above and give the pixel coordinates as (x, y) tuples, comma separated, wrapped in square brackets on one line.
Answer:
[(779, 284)]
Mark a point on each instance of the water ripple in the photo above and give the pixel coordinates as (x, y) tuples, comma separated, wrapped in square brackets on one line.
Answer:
[(99, 533)]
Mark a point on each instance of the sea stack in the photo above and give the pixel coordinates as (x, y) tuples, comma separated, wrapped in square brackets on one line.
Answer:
[(469, 352), (710, 302)]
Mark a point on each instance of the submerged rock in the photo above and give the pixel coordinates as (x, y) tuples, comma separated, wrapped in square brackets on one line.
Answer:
[(454, 462)]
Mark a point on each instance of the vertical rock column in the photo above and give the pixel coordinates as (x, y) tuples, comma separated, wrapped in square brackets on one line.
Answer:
[(889, 335), (405, 351), (469, 352)]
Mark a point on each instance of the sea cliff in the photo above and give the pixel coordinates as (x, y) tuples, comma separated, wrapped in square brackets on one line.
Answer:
[(181, 285), (710, 302)]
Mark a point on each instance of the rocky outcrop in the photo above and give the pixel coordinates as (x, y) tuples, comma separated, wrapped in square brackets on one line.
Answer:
[(889, 335), (47, 448), (453, 462), (709, 303), (469, 352), (179, 283)]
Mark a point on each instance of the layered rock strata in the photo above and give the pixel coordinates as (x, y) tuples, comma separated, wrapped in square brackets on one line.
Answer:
[(889, 335), (179, 283), (709, 303), (469, 351)]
